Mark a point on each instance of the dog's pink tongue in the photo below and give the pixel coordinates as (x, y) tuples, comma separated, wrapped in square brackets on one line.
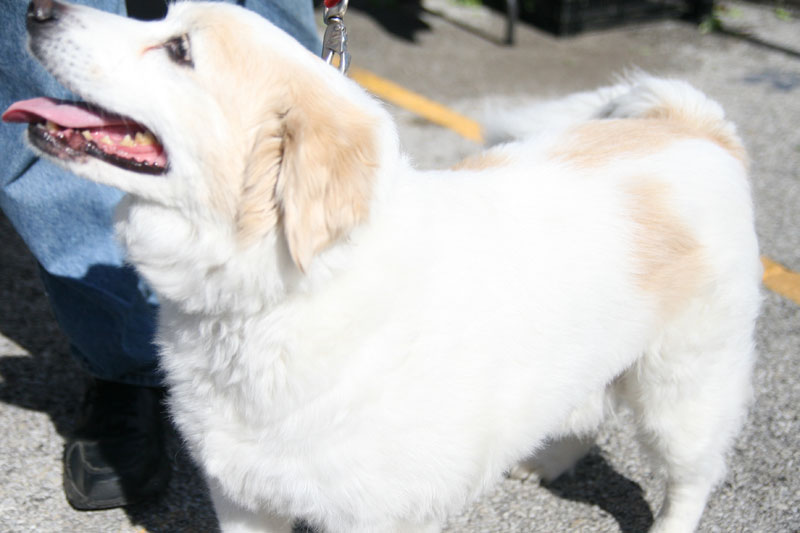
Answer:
[(113, 134), (66, 114)]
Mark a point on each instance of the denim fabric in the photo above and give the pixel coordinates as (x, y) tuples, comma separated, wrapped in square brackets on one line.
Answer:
[(104, 309)]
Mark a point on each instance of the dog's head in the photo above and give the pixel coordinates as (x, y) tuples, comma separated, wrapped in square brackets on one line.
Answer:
[(213, 111)]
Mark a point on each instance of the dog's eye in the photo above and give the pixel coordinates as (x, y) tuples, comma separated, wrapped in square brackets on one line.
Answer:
[(179, 50)]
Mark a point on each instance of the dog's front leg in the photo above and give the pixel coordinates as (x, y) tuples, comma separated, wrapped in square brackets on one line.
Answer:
[(234, 518)]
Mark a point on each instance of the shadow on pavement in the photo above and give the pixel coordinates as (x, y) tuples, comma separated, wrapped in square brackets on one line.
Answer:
[(47, 380), (401, 18), (595, 482)]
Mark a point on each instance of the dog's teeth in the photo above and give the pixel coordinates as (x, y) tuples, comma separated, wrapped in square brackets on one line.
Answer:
[(145, 139), (87, 135), (127, 141), (52, 127), (106, 140)]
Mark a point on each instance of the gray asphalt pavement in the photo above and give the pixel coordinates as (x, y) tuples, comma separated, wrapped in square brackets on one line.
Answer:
[(449, 54)]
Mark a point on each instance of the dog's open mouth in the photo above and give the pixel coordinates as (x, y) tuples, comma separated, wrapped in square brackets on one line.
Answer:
[(68, 130)]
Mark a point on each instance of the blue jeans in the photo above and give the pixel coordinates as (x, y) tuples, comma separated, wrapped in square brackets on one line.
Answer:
[(104, 309)]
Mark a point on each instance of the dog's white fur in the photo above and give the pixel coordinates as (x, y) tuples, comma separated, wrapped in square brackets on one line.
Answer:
[(367, 347)]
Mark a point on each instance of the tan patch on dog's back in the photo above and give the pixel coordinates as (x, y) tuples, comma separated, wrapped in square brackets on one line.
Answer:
[(482, 161), (668, 258), (600, 142)]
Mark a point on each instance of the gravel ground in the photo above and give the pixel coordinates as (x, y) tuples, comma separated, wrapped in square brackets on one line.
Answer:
[(448, 57)]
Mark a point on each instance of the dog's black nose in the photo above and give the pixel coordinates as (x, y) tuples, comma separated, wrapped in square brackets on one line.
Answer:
[(41, 10)]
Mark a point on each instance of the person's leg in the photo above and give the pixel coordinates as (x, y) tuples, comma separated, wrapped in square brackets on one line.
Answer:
[(115, 454), (66, 223), (295, 17)]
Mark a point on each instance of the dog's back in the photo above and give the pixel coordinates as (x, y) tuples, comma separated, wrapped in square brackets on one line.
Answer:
[(693, 216)]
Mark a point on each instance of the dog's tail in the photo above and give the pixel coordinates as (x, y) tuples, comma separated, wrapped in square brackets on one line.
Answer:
[(676, 101), (638, 96), (502, 122)]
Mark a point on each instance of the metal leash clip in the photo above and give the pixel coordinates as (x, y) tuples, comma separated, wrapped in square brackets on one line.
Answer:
[(334, 43)]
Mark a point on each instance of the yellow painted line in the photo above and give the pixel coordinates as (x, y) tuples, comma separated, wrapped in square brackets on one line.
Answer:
[(781, 280), (417, 104), (777, 278)]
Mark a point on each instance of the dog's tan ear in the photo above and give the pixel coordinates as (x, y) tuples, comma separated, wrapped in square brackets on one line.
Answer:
[(257, 210), (327, 171)]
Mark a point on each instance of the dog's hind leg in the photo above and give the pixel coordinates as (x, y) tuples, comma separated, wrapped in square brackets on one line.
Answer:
[(430, 527), (402, 526), (557, 457), (235, 519), (571, 442), (689, 401)]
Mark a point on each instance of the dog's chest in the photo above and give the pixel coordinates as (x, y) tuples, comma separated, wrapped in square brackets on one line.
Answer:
[(247, 417)]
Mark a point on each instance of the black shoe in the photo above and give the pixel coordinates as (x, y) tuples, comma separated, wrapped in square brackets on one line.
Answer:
[(116, 455)]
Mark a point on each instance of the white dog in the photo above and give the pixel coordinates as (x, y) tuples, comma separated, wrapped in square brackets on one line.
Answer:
[(367, 347)]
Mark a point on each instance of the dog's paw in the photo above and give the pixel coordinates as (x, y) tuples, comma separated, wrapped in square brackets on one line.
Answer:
[(558, 457), (522, 471)]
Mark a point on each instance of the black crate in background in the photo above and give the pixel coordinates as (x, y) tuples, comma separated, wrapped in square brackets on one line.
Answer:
[(569, 17)]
